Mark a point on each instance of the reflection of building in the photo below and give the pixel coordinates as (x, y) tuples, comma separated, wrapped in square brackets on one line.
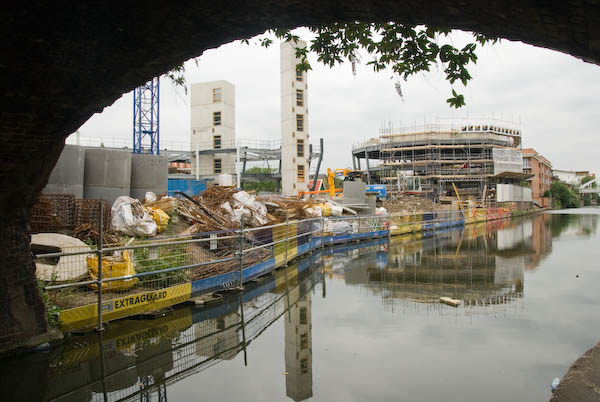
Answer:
[(225, 341), (298, 349), (483, 267), (138, 359), (541, 240)]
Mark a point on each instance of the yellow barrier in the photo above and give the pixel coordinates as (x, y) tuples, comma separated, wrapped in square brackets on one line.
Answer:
[(87, 316)]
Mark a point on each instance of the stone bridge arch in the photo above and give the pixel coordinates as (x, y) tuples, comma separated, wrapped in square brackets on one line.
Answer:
[(63, 61)]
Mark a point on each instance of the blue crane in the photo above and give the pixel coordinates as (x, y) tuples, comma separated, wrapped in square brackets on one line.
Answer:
[(146, 118)]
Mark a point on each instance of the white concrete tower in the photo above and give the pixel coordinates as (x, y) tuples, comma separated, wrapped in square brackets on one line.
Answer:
[(294, 121), (213, 128)]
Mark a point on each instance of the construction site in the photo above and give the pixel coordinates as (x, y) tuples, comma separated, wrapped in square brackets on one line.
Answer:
[(159, 224), (472, 160)]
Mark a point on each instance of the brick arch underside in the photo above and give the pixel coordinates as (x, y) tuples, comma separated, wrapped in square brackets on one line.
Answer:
[(61, 63)]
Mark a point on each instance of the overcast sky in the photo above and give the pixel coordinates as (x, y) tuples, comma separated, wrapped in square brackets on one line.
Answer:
[(554, 96)]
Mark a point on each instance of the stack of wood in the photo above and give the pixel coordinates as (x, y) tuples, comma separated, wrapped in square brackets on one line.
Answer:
[(167, 204), (203, 218), (214, 196), (281, 209), (251, 258), (88, 233)]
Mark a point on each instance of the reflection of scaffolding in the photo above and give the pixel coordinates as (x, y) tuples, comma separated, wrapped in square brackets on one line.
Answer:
[(148, 389), (138, 360), (439, 155)]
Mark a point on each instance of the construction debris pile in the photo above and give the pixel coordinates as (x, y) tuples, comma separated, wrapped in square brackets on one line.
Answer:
[(218, 212), (409, 203)]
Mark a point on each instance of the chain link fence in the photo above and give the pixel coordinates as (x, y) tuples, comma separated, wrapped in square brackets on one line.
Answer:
[(146, 275)]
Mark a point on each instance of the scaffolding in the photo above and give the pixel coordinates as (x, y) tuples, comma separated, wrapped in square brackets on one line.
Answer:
[(262, 154), (474, 157)]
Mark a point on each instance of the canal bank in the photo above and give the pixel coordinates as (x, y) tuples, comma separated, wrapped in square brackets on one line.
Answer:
[(178, 269), (367, 316)]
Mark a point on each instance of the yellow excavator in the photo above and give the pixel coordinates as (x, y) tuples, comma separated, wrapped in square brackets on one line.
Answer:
[(347, 174)]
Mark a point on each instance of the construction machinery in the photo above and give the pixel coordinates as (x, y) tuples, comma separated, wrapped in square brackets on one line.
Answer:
[(408, 184), (345, 174)]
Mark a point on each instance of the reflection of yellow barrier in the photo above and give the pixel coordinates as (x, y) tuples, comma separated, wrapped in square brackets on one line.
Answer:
[(113, 267), (120, 335), (400, 224)]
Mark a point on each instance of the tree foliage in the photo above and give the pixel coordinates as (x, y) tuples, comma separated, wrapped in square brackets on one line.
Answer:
[(405, 49), (563, 195), (588, 178), (263, 185)]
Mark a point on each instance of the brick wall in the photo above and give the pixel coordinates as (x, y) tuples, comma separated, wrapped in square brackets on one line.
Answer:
[(22, 314)]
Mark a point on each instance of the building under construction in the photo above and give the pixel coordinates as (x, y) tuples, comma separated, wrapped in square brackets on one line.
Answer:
[(475, 157)]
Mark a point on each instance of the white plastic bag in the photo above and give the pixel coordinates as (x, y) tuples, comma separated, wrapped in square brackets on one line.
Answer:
[(124, 220), (314, 211), (335, 209), (338, 227), (149, 197), (255, 211)]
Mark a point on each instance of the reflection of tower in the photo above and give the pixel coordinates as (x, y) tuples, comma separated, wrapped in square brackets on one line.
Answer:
[(298, 349), (218, 337)]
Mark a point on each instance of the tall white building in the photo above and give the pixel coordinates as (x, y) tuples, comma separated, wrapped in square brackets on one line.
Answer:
[(294, 122), (213, 128)]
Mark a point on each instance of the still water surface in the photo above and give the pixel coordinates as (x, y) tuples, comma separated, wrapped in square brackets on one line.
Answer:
[(359, 323)]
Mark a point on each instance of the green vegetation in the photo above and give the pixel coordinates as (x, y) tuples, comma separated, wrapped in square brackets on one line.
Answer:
[(263, 185), (52, 310), (406, 49), (564, 196), (167, 257)]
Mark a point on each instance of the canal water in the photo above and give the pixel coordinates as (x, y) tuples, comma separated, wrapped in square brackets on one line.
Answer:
[(358, 322)]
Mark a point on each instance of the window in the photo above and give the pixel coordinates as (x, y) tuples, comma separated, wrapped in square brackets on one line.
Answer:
[(299, 122), (217, 95), (300, 173), (217, 165), (298, 74), (217, 142), (216, 118), (300, 147), (303, 315), (303, 341), (299, 97), (304, 366)]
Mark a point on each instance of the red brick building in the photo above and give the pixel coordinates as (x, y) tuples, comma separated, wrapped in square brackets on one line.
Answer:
[(541, 168)]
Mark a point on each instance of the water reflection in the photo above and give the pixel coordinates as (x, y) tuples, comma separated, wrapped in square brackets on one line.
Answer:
[(481, 265), (298, 350), (138, 359)]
